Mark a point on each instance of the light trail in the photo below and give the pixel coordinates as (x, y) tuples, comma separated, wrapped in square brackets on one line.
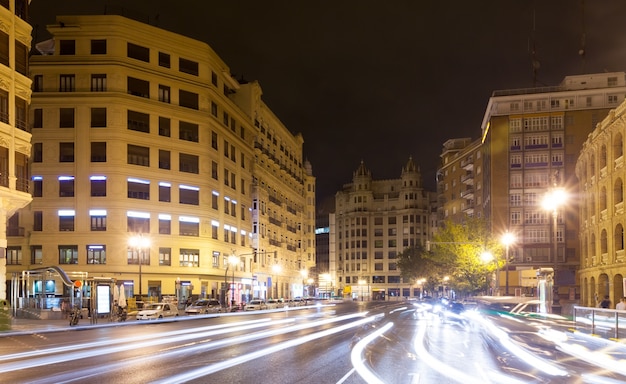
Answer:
[(357, 352)]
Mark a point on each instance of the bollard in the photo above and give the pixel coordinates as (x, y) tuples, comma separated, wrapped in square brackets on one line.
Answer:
[(5, 316)]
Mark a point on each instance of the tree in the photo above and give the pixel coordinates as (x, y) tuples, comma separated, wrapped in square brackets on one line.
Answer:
[(416, 263), (461, 246)]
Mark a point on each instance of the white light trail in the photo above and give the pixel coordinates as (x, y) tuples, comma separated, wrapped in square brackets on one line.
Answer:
[(357, 352)]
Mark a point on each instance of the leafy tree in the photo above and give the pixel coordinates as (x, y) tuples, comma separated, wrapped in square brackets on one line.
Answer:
[(416, 263)]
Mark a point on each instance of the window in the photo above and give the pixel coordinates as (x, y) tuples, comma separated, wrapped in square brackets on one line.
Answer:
[(37, 186), (38, 221), (67, 83), (213, 108), (213, 74), (98, 117), (66, 186), (138, 155), (98, 186), (37, 152), (99, 152), (138, 52), (164, 126), (138, 87), (4, 48), (98, 219), (189, 258), (164, 61), (98, 47), (138, 256), (215, 200), (21, 58), (165, 256), (188, 66), (189, 195), (188, 99), (66, 152), (165, 224), (164, 93), (98, 83), (68, 254), (4, 106), (164, 159), (38, 118), (138, 189), (188, 131), (36, 254), (188, 163), (165, 192), (214, 171), (138, 222), (21, 108), (138, 121), (214, 140), (14, 255), (189, 226), (96, 254), (67, 47), (66, 220), (66, 118)]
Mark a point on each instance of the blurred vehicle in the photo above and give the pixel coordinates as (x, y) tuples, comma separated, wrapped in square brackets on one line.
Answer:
[(157, 311), (256, 305), (295, 302), (275, 303), (203, 306)]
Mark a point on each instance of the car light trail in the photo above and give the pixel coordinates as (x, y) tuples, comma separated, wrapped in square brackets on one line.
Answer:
[(198, 373), (357, 352)]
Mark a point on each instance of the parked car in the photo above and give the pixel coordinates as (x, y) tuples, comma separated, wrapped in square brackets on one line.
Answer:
[(275, 303), (203, 306), (155, 311), (256, 305)]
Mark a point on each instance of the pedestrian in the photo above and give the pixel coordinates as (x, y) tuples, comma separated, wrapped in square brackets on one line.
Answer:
[(621, 306), (606, 303)]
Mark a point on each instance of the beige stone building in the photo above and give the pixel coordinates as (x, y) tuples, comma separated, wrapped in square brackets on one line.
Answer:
[(600, 169), (141, 132), (15, 136), (374, 221)]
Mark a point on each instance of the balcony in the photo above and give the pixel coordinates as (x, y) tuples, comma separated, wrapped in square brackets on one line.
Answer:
[(468, 193), (468, 179)]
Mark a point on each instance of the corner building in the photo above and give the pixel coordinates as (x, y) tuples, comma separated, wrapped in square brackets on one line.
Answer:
[(600, 169), (15, 136), (138, 131), (532, 139), (374, 221)]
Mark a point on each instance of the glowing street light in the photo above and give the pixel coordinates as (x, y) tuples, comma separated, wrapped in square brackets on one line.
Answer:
[(507, 239), (233, 260), (552, 201), (138, 244)]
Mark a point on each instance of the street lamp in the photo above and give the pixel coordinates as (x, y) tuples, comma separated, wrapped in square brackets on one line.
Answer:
[(552, 201), (507, 239), (326, 278), (139, 243), (276, 269), (232, 262)]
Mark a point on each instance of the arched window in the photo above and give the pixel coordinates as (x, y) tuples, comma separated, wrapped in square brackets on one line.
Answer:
[(618, 146), (592, 205), (604, 245), (592, 244), (592, 166), (619, 237), (602, 199), (618, 191), (603, 156)]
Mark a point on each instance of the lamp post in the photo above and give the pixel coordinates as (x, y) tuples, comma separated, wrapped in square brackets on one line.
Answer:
[(139, 243), (276, 269), (232, 261), (552, 201), (361, 284), (304, 273), (508, 238)]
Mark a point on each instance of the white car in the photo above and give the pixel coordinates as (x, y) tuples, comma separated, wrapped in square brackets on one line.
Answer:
[(157, 311), (203, 306), (256, 305), (275, 303)]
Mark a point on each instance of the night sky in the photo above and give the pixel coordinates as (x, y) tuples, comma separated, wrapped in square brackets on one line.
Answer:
[(380, 81)]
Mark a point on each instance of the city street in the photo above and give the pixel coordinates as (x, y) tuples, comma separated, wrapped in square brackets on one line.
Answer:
[(376, 342)]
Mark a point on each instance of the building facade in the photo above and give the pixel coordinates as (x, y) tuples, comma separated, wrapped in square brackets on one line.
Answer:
[(374, 221), (531, 142), (600, 169), (15, 133), (142, 133)]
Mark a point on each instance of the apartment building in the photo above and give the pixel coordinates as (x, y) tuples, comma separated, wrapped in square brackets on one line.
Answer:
[(153, 166), (600, 169), (531, 141), (374, 221), (15, 135)]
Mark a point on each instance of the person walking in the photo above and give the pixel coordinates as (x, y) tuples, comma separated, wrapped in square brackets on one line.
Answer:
[(621, 306)]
